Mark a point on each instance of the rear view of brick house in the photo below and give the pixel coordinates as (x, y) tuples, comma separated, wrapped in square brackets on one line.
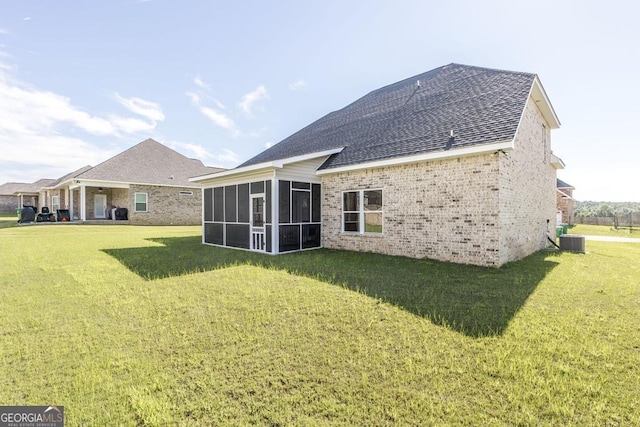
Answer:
[(454, 164)]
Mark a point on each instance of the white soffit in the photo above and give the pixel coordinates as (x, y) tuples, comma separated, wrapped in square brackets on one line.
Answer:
[(557, 162), (542, 101), (275, 164)]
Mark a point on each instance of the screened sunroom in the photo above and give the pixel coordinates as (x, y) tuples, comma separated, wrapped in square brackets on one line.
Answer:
[(272, 208)]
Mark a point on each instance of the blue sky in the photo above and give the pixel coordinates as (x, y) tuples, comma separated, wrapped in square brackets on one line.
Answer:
[(81, 81)]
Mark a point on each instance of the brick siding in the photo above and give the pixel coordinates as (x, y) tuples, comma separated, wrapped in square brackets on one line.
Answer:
[(166, 206), (484, 210), (527, 190)]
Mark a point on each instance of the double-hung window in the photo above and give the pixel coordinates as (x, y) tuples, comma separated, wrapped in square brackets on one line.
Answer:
[(55, 203), (362, 211), (141, 202)]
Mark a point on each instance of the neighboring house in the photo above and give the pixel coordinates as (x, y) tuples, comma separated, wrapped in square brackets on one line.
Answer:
[(149, 179), (454, 164), (566, 204), (9, 201), (14, 195)]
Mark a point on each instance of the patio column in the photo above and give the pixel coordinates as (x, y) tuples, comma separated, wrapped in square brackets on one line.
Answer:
[(83, 203), (70, 199)]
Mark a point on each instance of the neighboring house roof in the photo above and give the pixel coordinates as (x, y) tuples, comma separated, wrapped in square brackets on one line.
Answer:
[(561, 184), (418, 115), (148, 162), (10, 188), (13, 188), (70, 176)]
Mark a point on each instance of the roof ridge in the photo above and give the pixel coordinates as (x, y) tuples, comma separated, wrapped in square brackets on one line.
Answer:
[(118, 155), (415, 115)]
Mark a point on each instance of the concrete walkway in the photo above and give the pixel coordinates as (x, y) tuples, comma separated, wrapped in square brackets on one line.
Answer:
[(613, 239)]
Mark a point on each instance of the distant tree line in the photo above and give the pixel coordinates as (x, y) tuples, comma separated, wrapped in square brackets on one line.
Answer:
[(605, 209)]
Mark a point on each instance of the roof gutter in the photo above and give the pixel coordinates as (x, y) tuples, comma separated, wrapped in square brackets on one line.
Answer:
[(274, 164), (438, 155)]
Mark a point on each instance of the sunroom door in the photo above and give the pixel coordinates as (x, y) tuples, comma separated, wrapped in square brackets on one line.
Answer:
[(257, 223)]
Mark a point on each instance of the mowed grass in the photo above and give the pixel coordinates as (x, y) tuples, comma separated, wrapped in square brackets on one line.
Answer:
[(8, 220), (605, 230), (132, 325)]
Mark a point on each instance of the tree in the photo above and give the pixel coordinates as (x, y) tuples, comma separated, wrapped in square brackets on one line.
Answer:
[(605, 210)]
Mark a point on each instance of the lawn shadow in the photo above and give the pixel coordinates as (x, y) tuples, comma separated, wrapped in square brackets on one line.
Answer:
[(475, 301)]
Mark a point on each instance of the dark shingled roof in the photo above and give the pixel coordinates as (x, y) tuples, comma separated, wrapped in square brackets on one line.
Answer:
[(149, 162), (561, 184), (480, 105)]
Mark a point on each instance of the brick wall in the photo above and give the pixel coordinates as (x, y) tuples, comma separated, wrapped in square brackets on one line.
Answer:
[(166, 206), (444, 210), (9, 204), (120, 198), (484, 210), (528, 187), (566, 205)]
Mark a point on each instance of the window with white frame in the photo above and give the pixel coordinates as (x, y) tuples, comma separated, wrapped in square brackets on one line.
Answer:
[(362, 211), (141, 202), (55, 203)]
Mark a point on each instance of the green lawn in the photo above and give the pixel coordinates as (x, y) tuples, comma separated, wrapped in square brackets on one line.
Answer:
[(128, 325), (604, 230), (8, 220)]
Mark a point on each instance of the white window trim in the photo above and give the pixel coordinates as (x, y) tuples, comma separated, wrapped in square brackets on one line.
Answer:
[(135, 203), (361, 212)]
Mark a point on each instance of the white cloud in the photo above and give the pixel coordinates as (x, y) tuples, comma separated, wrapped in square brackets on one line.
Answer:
[(297, 85), (44, 132), (4, 31), (29, 109), (148, 109), (28, 157), (200, 83), (249, 99), (194, 97), (131, 125), (227, 156), (190, 150), (219, 104), (219, 119), (268, 144), (197, 151), (26, 18)]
